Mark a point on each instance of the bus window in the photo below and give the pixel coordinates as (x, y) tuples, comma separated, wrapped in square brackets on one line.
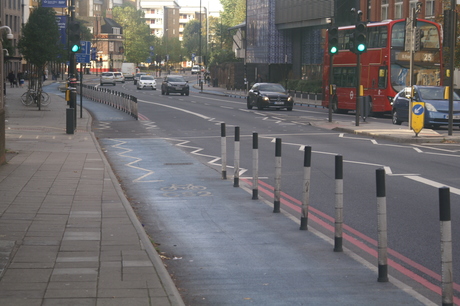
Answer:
[(377, 37), (383, 71), (398, 34), (430, 38), (345, 76)]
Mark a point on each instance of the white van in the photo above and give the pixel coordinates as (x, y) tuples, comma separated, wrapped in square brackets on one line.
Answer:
[(128, 70)]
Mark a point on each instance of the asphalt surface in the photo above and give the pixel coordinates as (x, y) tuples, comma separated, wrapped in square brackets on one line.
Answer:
[(79, 241)]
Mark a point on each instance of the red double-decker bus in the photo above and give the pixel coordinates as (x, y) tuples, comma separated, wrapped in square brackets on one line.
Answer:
[(384, 67)]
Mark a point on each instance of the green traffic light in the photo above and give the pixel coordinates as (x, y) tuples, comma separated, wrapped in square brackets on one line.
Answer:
[(361, 48), (333, 50), (75, 48)]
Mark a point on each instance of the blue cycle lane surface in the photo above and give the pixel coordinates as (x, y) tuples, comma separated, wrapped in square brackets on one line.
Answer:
[(220, 246)]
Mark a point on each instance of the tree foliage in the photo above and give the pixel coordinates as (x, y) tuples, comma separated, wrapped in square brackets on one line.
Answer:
[(135, 32), (234, 12), (40, 42), (191, 40)]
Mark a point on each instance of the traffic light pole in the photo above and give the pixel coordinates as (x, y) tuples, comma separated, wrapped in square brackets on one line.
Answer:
[(358, 87), (331, 82), (451, 68)]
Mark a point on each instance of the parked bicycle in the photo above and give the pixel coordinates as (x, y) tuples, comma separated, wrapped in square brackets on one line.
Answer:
[(31, 96)]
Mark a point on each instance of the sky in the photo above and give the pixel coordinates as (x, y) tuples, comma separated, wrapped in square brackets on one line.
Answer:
[(214, 5)]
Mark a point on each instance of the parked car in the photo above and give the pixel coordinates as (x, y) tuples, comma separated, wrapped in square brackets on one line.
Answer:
[(136, 77), (196, 69), (118, 76), (175, 84), (436, 107), (269, 95), (146, 81), (107, 78)]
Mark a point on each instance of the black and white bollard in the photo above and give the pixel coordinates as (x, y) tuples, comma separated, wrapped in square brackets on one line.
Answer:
[(306, 188), (277, 196), (446, 247), (223, 146), (255, 166), (382, 226), (236, 176), (338, 239)]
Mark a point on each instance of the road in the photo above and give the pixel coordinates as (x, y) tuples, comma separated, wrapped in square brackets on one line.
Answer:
[(414, 172)]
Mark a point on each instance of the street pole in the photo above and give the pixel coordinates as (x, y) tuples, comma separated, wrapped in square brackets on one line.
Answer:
[(358, 87), (453, 38)]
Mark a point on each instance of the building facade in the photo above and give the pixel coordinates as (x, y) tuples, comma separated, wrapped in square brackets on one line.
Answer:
[(292, 32)]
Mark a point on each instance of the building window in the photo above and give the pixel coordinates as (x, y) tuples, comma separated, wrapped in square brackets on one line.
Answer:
[(116, 31), (429, 8), (398, 10), (111, 46), (384, 14)]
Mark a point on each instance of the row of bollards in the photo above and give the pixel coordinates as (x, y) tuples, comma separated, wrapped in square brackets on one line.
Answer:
[(444, 206)]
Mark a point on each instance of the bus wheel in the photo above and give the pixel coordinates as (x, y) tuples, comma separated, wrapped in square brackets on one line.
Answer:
[(395, 118)]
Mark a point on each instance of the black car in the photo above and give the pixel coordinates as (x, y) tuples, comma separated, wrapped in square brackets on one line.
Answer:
[(175, 84), (269, 95), (436, 106)]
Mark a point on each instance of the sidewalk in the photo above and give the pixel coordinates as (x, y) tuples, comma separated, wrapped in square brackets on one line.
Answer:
[(68, 234)]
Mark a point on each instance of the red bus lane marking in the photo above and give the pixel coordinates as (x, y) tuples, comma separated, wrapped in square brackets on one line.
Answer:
[(369, 240), (295, 206)]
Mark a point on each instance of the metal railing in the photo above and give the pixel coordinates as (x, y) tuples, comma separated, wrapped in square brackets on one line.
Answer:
[(118, 100)]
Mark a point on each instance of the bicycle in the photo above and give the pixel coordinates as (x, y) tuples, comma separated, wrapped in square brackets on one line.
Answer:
[(31, 96)]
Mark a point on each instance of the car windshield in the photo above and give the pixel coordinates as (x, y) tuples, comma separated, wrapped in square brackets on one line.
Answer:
[(176, 79), (107, 74), (434, 93), (117, 74), (271, 87), (146, 77)]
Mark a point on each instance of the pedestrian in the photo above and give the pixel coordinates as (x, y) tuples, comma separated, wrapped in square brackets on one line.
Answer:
[(20, 78), (11, 78), (259, 79)]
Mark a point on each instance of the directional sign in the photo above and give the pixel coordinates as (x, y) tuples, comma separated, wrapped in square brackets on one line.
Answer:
[(418, 116), (85, 47), (82, 58)]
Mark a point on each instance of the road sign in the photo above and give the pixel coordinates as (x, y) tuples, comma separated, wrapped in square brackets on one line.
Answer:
[(82, 58), (418, 116), (85, 47)]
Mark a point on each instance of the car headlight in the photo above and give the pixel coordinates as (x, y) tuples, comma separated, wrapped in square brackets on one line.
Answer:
[(290, 99), (429, 107), (265, 98)]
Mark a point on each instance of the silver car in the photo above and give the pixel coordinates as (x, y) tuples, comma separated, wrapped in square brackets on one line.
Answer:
[(146, 81), (107, 78), (119, 77), (137, 76)]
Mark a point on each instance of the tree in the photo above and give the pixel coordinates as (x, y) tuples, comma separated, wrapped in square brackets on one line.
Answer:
[(136, 33), (234, 12), (191, 41), (39, 42)]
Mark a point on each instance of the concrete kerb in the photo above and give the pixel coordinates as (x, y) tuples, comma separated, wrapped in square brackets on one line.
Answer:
[(163, 275), (169, 286)]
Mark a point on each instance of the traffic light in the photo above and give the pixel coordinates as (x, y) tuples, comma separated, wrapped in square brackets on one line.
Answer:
[(418, 39), (360, 37), (333, 40), (73, 34)]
